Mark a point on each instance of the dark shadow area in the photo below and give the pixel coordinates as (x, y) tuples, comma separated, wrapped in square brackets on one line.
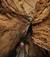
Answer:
[(37, 51)]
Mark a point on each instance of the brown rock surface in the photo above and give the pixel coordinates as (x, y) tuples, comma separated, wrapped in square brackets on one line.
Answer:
[(11, 29), (13, 24), (10, 32), (41, 31)]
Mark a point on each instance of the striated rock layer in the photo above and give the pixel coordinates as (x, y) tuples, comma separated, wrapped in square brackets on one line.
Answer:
[(13, 23)]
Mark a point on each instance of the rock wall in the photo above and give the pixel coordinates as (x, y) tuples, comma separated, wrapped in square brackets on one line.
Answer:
[(13, 23)]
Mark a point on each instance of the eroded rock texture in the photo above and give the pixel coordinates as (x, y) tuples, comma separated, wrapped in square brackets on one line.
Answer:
[(41, 30), (13, 24), (11, 28)]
